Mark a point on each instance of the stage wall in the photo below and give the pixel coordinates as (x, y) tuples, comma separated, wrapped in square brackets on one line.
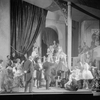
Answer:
[(88, 27), (57, 20), (4, 28)]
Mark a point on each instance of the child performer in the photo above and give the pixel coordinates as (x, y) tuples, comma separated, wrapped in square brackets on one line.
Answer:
[(86, 74)]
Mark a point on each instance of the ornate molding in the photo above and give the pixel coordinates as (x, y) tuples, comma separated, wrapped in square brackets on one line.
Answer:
[(63, 6)]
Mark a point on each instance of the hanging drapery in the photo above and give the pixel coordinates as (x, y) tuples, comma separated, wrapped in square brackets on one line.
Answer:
[(27, 21)]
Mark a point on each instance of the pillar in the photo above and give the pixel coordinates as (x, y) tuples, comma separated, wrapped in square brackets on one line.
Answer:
[(69, 37)]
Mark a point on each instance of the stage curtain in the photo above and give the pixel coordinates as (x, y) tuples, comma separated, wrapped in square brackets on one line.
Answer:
[(27, 21)]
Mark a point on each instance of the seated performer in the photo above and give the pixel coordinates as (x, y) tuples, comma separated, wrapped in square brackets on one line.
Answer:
[(72, 84)]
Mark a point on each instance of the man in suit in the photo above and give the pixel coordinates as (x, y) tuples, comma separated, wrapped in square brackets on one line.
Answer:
[(28, 69), (38, 68), (47, 66)]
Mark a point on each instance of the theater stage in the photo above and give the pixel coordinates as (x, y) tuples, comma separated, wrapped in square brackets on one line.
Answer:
[(52, 90)]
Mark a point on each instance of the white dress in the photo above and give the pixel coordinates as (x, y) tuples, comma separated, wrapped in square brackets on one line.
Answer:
[(86, 74), (18, 71)]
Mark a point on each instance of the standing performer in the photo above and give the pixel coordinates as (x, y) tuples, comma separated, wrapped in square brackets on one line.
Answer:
[(28, 69), (86, 74), (47, 66), (38, 68)]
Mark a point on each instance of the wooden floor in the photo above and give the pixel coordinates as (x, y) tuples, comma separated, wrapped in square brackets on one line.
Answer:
[(52, 90)]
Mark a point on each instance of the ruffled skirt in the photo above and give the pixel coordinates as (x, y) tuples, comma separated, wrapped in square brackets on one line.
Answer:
[(87, 74)]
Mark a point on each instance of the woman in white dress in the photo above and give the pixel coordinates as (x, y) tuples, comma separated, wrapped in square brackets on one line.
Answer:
[(86, 74)]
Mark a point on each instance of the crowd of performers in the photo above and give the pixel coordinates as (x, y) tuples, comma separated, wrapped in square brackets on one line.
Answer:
[(52, 71)]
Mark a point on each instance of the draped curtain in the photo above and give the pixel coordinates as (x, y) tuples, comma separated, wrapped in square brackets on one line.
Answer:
[(27, 21)]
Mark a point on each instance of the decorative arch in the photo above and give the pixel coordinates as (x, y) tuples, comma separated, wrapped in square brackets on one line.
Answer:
[(48, 36)]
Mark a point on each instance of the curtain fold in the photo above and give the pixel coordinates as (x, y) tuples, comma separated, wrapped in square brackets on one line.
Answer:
[(27, 22)]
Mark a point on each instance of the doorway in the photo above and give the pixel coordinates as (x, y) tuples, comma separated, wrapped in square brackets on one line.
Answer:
[(48, 36)]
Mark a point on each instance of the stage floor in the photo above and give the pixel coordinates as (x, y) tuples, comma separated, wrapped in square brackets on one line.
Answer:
[(53, 90)]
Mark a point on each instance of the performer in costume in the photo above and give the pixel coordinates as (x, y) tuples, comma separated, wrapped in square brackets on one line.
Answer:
[(35, 55), (47, 66), (86, 74), (72, 83), (28, 69), (9, 61), (35, 52), (38, 68)]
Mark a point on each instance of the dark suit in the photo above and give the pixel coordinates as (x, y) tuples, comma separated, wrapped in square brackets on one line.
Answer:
[(38, 75), (47, 66), (28, 66)]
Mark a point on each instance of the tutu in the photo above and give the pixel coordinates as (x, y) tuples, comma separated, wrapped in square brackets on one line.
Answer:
[(86, 74)]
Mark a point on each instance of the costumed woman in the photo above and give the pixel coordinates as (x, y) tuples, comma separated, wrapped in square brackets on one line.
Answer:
[(86, 74), (72, 84), (7, 78), (18, 73)]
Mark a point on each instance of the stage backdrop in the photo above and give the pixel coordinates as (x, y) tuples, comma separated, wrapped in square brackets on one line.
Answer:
[(90, 33)]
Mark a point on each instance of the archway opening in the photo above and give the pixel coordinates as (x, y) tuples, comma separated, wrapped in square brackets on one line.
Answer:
[(48, 36)]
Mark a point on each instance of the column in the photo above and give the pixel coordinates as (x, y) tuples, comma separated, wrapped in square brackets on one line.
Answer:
[(69, 37)]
